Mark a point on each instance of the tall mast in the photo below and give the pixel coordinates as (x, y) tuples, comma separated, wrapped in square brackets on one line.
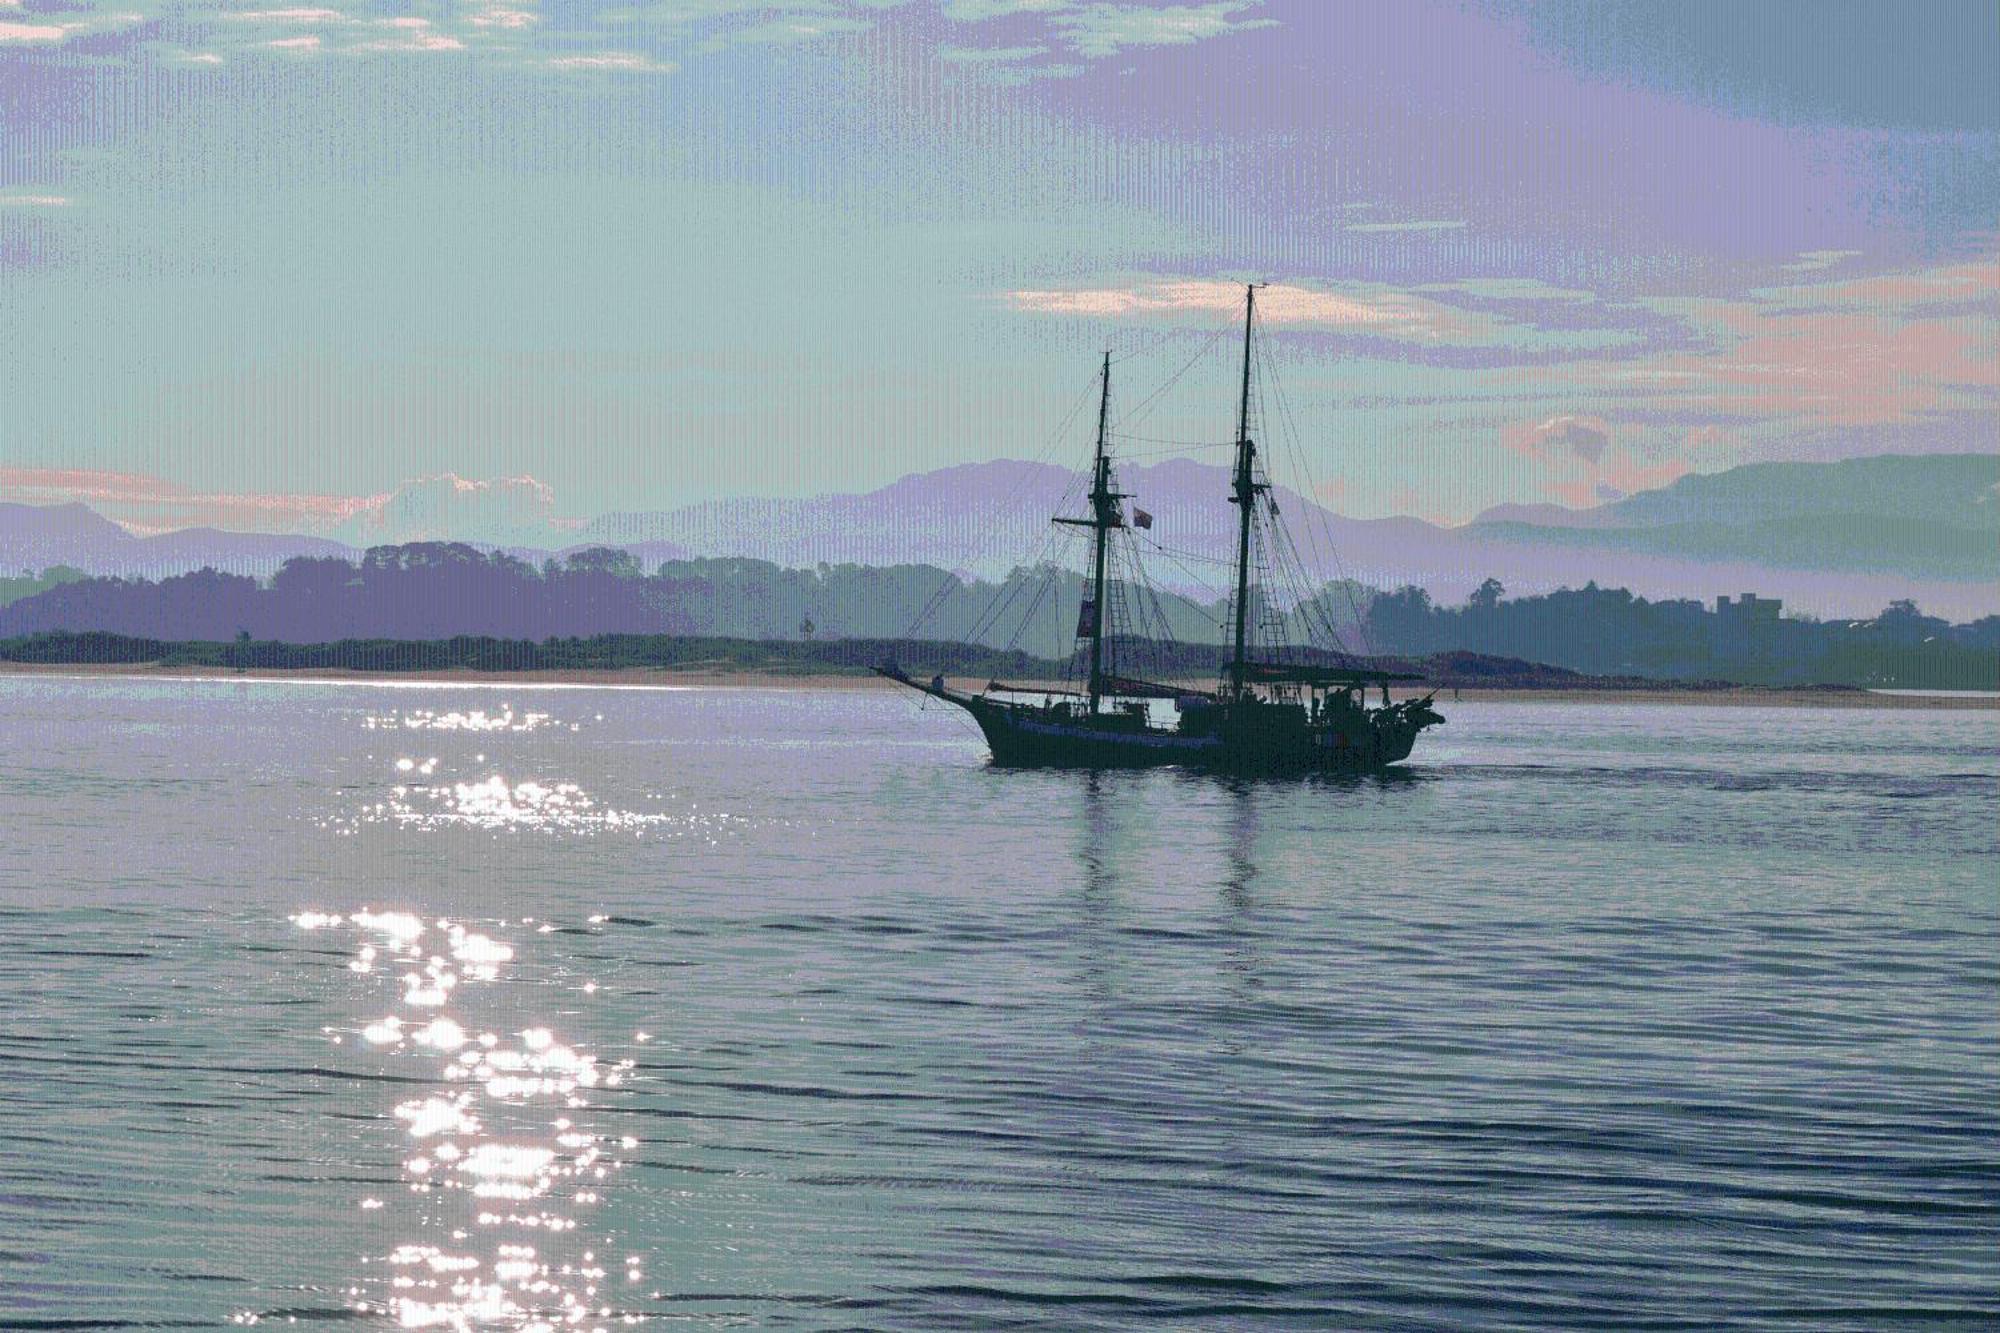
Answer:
[(1244, 496), (1104, 516), (1104, 509)]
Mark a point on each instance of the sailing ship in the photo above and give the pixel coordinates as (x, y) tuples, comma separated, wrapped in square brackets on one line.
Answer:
[(1274, 709)]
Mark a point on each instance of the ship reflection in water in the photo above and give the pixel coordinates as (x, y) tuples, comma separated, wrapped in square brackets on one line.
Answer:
[(500, 1164)]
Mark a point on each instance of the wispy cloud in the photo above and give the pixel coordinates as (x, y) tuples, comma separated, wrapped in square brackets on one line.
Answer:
[(69, 26), (617, 62), (149, 504), (1099, 30), (1028, 30), (213, 32), (1813, 261), (31, 32), (981, 11), (440, 507), (1453, 224), (1512, 290), (1377, 309), (1870, 364), (1580, 460), (1947, 286), (977, 55), (637, 38)]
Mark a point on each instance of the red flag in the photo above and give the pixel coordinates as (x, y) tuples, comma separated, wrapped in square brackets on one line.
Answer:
[(1140, 518)]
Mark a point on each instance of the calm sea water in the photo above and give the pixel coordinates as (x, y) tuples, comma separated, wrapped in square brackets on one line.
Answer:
[(515, 1008)]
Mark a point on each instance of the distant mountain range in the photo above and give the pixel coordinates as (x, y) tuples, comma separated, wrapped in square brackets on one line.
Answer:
[(1924, 517), (36, 537), (1841, 538)]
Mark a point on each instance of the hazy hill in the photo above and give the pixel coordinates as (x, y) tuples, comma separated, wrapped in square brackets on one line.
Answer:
[(1921, 517), (1688, 540), (986, 518), (34, 537), (1836, 538), (1949, 490)]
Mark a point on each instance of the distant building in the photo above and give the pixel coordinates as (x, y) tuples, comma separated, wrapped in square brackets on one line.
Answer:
[(1748, 626), (1749, 609)]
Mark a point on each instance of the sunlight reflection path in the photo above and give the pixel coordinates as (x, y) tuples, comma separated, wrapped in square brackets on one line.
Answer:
[(502, 1158)]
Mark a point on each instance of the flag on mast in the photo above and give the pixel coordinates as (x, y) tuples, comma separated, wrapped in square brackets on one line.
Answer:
[(1140, 518)]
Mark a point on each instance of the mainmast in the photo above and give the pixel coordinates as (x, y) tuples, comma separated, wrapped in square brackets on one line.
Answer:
[(1105, 516), (1244, 495)]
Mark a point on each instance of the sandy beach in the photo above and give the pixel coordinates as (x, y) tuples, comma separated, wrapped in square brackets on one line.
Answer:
[(1742, 696)]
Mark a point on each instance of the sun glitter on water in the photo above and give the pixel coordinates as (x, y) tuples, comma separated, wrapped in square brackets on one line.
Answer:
[(494, 801), (500, 1166), (472, 719)]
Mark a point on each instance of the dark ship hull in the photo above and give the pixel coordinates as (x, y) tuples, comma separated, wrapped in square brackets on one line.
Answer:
[(1250, 738)]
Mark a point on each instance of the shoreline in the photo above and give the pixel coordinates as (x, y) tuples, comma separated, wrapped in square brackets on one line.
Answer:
[(667, 678)]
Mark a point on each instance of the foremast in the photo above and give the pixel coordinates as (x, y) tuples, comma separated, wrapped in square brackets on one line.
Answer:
[(1244, 497), (1105, 515)]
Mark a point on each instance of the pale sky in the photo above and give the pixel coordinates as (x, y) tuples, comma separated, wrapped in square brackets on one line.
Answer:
[(257, 262)]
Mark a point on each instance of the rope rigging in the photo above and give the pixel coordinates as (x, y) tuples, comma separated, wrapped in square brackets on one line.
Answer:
[(1289, 605)]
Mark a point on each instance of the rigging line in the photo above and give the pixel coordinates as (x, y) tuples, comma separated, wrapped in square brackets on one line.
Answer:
[(1044, 555), (1306, 607), (1305, 602), (1034, 609), (1047, 592), (1293, 439), (1197, 556), (1145, 405), (1151, 625), (1290, 566), (1171, 451), (1195, 580), (1158, 340), (1151, 594), (1185, 444), (1014, 583), (1333, 547), (986, 540), (997, 606)]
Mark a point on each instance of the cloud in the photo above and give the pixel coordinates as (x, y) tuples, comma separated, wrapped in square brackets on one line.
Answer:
[(1456, 224), (1874, 351), (1582, 437), (149, 504), (979, 11), (618, 62), (1960, 285), (447, 507), (1099, 30), (506, 510), (210, 33), (1813, 261), (804, 29), (50, 34), (1579, 460), (26, 199), (1364, 307), (1896, 361), (973, 55), (1511, 289)]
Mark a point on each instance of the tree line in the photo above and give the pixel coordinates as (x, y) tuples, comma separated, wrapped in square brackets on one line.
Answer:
[(427, 592), (1609, 631)]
